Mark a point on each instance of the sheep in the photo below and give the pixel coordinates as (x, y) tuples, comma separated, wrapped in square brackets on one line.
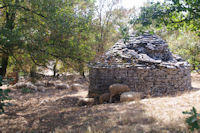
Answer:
[(116, 89), (104, 98), (131, 96)]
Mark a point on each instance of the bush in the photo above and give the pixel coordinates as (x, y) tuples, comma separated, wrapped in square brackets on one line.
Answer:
[(193, 120), (3, 96), (187, 45)]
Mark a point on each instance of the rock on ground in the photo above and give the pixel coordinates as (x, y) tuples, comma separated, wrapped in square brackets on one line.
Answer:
[(86, 101), (62, 86), (130, 96), (20, 85), (76, 87), (39, 83), (41, 88), (50, 83), (25, 85), (31, 86)]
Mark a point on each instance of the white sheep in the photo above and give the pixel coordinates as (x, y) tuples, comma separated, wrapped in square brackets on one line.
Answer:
[(116, 89)]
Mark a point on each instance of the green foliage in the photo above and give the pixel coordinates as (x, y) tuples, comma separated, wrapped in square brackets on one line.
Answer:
[(186, 44), (3, 96), (193, 120), (36, 32), (124, 33), (176, 20), (172, 14), (109, 20), (150, 16)]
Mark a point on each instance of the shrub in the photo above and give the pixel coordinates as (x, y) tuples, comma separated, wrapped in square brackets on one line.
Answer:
[(187, 45), (193, 120), (3, 96)]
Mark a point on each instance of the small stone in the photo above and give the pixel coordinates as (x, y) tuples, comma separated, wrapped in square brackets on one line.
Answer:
[(76, 87), (41, 88), (86, 101), (31, 86), (39, 83), (20, 85), (50, 83)]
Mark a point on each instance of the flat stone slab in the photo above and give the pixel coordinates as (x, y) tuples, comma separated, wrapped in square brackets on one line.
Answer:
[(145, 50)]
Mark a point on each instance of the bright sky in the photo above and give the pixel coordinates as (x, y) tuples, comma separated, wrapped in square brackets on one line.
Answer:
[(136, 3)]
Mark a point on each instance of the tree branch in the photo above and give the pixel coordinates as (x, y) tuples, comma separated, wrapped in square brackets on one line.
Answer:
[(3, 7), (183, 20), (34, 12), (25, 9), (41, 65), (62, 57)]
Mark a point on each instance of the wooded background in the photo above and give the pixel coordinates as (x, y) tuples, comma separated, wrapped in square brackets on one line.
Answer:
[(72, 33)]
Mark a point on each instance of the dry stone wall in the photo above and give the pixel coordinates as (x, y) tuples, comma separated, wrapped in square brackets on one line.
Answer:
[(145, 64), (154, 82)]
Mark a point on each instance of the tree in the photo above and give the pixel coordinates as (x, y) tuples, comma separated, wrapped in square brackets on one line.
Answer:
[(110, 18), (170, 18), (173, 14), (38, 31), (103, 24)]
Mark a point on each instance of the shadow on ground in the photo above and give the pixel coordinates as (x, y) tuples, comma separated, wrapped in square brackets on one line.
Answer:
[(58, 111), (64, 115)]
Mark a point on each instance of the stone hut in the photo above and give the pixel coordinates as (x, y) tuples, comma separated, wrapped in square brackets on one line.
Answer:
[(144, 63)]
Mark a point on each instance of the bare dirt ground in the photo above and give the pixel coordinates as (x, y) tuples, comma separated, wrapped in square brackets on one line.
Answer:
[(58, 111)]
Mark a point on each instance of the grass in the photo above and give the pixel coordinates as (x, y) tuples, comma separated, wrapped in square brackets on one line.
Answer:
[(57, 111)]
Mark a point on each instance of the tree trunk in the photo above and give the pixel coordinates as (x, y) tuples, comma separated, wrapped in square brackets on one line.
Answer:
[(33, 71), (81, 69), (10, 24), (4, 64), (54, 70), (83, 74)]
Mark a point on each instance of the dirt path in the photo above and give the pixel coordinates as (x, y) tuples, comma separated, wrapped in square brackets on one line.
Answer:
[(58, 111)]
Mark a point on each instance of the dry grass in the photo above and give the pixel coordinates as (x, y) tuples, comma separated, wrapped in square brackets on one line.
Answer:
[(57, 111)]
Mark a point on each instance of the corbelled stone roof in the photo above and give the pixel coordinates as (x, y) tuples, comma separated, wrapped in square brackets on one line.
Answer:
[(145, 49)]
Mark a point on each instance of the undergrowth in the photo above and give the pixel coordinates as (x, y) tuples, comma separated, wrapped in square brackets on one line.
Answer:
[(193, 120), (3, 96)]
